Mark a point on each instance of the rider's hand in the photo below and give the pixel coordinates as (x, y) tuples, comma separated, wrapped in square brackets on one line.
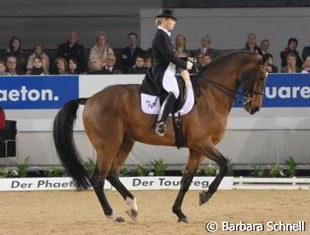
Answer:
[(192, 60), (189, 65)]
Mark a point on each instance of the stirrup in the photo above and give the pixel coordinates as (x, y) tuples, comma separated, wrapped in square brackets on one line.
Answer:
[(160, 129)]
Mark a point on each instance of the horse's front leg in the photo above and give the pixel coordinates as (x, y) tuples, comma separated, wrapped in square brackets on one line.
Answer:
[(190, 170), (212, 153)]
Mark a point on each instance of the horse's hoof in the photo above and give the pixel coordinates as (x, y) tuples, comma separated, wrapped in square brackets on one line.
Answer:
[(183, 220), (119, 219), (133, 214), (204, 197)]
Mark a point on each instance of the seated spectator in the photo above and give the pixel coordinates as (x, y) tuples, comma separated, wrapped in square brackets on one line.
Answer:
[(139, 66), (109, 67), (251, 45), (264, 46), (101, 49), (268, 62), (72, 49), (180, 47), (37, 68), (60, 66), (38, 51), (290, 66), (305, 52), (306, 65), (73, 66), (291, 48), (16, 51), (205, 61), (46, 64), (3, 69), (95, 66), (12, 66), (129, 54), (205, 47)]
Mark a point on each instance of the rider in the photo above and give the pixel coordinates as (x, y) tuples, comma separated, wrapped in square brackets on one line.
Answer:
[(164, 65)]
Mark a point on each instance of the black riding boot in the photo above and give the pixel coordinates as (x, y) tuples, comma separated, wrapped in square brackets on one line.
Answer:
[(165, 109)]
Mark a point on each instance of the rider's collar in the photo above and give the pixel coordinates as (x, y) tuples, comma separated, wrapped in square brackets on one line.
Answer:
[(165, 30)]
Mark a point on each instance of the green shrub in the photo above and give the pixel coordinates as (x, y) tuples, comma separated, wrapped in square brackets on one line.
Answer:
[(22, 168), (291, 166), (141, 170), (4, 172), (124, 171), (257, 171), (56, 172), (208, 170), (89, 166), (276, 170), (159, 167), (230, 166)]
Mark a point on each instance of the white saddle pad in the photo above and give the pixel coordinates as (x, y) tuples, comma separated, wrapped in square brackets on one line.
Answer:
[(150, 104)]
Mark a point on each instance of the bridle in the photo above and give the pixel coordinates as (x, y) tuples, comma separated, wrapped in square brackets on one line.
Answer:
[(247, 95)]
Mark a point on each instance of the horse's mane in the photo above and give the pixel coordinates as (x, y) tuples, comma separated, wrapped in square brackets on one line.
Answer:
[(233, 59)]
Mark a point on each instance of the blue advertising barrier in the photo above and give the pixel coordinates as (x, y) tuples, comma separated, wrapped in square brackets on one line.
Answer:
[(51, 92), (37, 92), (287, 90)]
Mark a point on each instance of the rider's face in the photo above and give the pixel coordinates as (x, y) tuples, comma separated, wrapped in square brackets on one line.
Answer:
[(169, 23)]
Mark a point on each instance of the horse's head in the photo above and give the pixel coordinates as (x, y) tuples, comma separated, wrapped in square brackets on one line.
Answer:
[(253, 84)]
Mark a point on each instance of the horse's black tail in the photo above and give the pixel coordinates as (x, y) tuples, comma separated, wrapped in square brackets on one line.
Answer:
[(64, 142)]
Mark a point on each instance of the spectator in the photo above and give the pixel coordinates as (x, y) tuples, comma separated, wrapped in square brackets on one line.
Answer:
[(268, 62), (305, 52), (46, 64), (73, 66), (291, 66), (139, 66), (38, 51), (129, 54), (61, 66), (180, 47), (264, 46), (205, 47), (16, 51), (3, 69), (12, 66), (205, 61), (72, 49), (101, 49), (291, 48), (306, 65), (109, 67), (37, 68), (95, 66), (251, 45)]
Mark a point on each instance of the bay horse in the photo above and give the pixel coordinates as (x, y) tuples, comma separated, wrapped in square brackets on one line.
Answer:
[(113, 121)]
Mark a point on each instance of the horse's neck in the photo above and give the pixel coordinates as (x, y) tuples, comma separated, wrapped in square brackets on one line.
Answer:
[(223, 94)]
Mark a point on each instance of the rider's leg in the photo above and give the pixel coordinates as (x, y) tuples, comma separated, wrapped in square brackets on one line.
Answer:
[(165, 109)]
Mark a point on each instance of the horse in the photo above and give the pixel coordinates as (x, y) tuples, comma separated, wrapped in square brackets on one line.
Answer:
[(113, 121)]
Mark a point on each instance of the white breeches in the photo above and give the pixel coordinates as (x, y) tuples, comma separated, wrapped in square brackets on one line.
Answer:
[(170, 83)]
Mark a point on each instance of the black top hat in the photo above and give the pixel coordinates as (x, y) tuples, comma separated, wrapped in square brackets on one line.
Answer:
[(166, 13)]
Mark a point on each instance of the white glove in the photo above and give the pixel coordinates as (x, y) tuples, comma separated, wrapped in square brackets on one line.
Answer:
[(192, 60), (189, 65)]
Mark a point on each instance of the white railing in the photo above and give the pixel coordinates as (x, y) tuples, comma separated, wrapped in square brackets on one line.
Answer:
[(271, 183)]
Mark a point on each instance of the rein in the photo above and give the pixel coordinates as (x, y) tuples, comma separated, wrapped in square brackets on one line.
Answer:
[(247, 96)]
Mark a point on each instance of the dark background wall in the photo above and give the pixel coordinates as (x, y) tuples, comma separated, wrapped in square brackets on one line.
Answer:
[(48, 21), (234, 3)]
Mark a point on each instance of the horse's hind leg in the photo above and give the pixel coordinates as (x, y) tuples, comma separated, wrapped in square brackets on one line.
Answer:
[(98, 180), (113, 177), (212, 153), (190, 170)]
